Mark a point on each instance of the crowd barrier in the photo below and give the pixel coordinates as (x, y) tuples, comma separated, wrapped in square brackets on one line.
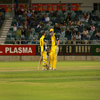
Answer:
[(66, 52)]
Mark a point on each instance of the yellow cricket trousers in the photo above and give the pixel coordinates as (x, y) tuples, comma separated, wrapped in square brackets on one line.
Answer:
[(53, 57), (44, 55)]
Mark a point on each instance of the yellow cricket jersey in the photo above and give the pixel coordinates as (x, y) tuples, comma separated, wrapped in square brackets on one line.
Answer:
[(54, 39), (42, 43)]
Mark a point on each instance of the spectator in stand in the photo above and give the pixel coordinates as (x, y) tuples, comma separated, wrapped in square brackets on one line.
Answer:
[(86, 19), (95, 16), (67, 32), (44, 17), (61, 22), (26, 23), (71, 32), (40, 17), (91, 16), (33, 16), (80, 24), (30, 9), (40, 25), (20, 41), (73, 35), (24, 41), (74, 41), (23, 31), (82, 18), (55, 27), (63, 31), (33, 24), (17, 23), (68, 18), (28, 33), (85, 33), (69, 41), (61, 26), (25, 28), (24, 14), (74, 31), (71, 23), (34, 41), (28, 19), (58, 27), (54, 14), (92, 28), (85, 42), (97, 35), (50, 14), (20, 10), (89, 27), (19, 32), (80, 28), (78, 36), (26, 11), (15, 42), (43, 27), (47, 19), (14, 28), (87, 15), (29, 14), (64, 23), (16, 12), (35, 12), (77, 22), (30, 29)]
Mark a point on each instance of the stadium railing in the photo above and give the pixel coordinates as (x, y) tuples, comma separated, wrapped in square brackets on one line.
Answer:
[(65, 42)]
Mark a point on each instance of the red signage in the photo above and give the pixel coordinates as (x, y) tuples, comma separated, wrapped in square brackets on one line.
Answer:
[(55, 7), (11, 50), (23, 6), (44, 7), (8, 8), (75, 7), (37, 7), (49, 7), (63, 8)]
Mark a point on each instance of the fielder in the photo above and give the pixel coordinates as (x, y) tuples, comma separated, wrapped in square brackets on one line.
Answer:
[(43, 51), (54, 50)]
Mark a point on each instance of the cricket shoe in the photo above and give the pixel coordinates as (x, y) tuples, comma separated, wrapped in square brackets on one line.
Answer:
[(51, 68), (47, 67), (54, 69), (43, 68)]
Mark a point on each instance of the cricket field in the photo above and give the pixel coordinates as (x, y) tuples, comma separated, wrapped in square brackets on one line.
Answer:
[(73, 80)]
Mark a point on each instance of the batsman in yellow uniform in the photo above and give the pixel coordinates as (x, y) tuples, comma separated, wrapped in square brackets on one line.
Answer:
[(54, 49), (43, 51)]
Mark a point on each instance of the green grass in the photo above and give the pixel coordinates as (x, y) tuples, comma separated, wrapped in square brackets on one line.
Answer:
[(73, 80)]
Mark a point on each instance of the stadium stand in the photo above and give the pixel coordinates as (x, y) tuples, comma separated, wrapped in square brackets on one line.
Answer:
[(74, 27), (2, 16)]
